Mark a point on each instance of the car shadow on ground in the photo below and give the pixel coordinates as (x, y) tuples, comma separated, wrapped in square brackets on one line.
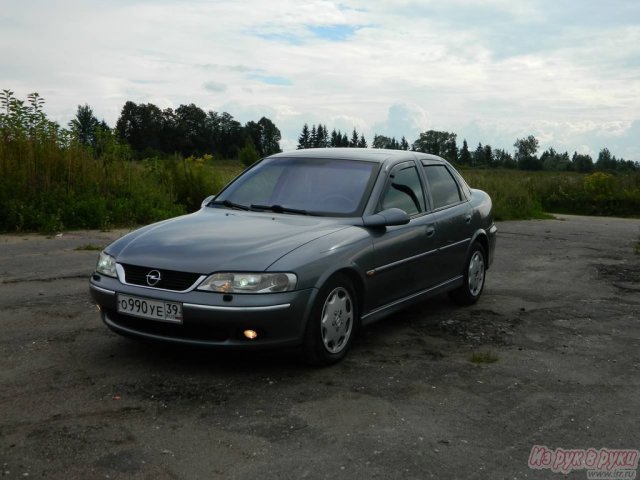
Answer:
[(170, 357)]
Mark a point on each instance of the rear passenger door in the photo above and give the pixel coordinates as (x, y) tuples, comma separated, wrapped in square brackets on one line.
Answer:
[(452, 214)]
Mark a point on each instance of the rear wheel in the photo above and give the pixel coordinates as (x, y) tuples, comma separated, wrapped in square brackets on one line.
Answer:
[(333, 322), (474, 276)]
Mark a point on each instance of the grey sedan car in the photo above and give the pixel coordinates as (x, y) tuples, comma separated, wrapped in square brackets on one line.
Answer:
[(301, 249)]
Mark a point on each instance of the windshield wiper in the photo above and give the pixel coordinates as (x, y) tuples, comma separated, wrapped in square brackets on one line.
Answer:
[(280, 209), (229, 204)]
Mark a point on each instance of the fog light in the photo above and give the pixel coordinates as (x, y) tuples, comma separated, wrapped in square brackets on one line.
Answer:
[(250, 334)]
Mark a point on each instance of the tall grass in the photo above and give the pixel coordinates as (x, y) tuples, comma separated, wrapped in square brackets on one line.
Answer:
[(45, 186), (520, 195), (49, 181)]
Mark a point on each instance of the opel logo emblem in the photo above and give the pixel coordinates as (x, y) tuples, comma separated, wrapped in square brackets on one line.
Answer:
[(153, 277)]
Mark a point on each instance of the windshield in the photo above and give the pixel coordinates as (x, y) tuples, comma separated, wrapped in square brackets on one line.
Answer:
[(315, 186)]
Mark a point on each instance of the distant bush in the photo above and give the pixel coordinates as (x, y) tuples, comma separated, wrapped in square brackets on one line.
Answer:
[(49, 181), (188, 181), (519, 195), (53, 179)]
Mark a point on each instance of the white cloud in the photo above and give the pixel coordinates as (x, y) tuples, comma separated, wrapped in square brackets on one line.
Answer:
[(489, 70), (214, 86)]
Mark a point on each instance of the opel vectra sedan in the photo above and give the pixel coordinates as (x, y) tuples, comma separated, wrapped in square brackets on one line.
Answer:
[(302, 249)]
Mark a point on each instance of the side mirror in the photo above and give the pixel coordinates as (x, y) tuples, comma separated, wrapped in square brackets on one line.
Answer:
[(206, 201), (386, 218)]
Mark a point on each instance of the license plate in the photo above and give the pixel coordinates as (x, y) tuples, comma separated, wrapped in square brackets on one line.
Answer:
[(152, 309)]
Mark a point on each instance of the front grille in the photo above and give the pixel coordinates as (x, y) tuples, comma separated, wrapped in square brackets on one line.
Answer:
[(170, 279)]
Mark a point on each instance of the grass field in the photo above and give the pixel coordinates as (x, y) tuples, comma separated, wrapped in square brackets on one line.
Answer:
[(519, 194), (47, 188)]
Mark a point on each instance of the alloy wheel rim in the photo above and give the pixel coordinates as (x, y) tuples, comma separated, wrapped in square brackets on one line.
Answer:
[(476, 273), (337, 320)]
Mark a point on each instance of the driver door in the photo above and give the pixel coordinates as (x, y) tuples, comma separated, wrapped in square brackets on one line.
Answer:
[(405, 255)]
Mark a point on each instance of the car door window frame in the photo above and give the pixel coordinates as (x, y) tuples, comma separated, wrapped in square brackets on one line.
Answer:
[(461, 194), (424, 206)]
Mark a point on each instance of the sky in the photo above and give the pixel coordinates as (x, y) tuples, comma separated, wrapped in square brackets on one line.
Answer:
[(492, 71)]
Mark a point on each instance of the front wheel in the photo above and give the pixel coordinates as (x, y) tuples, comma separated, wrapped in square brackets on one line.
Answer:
[(333, 322), (474, 276)]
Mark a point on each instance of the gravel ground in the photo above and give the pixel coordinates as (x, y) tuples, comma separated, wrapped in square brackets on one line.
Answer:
[(418, 396)]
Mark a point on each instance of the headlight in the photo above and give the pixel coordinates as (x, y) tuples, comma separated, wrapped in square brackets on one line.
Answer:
[(106, 265), (249, 282)]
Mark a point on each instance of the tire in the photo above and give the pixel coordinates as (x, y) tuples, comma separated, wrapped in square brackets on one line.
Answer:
[(474, 277), (333, 322)]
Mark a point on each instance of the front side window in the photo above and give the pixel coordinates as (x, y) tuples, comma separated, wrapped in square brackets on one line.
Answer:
[(404, 191), (444, 189)]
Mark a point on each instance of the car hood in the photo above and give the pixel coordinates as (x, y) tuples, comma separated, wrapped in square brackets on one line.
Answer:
[(213, 240)]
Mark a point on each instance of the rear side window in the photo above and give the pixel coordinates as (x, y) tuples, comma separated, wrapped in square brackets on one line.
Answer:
[(444, 189), (404, 191)]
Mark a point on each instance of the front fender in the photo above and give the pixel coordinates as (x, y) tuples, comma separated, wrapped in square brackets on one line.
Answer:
[(315, 262)]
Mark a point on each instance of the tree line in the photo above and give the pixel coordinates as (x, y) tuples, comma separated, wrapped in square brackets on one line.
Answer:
[(148, 131), (443, 144), (191, 131), (188, 130)]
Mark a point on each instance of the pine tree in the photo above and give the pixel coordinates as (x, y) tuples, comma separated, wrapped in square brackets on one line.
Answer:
[(303, 139), (334, 139), (323, 136), (313, 138), (465, 156), (404, 145), (362, 143), (354, 139), (487, 155), (478, 156)]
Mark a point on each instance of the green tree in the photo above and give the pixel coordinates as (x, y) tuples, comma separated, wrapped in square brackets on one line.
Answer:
[(141, 126), (191, 126), (83, 126), (582, 162), (264, 135), (465, 155), (554, 161), (503, 159), (404, 145), (437, 143), (525, 155), (322, 136), (362, 143), (478, 158), (305, 138), (248, 154), (381, 141), (353, 143), (606, 161), (313, 138), (488, 156), (334, 142), (229, 136)]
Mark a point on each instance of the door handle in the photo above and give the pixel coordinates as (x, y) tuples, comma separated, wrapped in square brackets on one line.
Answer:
[(467, 219), (430, 230)]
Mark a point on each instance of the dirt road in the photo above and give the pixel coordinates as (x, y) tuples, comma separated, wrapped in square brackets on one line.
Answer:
[(560, 313)]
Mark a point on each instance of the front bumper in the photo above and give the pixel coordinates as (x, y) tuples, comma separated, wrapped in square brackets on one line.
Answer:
[(210, 319)]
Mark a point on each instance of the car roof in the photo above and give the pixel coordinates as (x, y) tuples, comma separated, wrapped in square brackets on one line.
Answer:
[(378, 155)]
